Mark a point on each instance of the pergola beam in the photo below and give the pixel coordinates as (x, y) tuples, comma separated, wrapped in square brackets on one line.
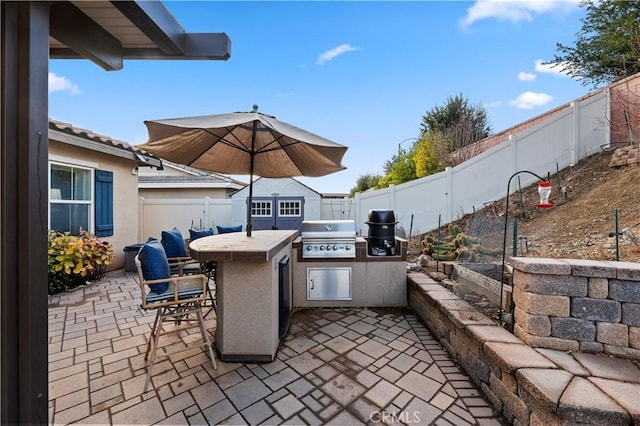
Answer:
[(84, 37)]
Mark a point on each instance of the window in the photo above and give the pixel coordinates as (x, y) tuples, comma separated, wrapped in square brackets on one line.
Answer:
[(290, 208), (261, 208), (73, 200), (70, 199)]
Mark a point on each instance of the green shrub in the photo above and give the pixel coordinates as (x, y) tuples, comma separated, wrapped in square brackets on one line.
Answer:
[(75, 260)]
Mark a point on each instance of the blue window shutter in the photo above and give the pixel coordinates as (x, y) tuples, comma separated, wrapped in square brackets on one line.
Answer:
[(104, 203)]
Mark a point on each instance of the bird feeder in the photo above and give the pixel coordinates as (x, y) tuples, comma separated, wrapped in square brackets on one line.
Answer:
[(544, 190)]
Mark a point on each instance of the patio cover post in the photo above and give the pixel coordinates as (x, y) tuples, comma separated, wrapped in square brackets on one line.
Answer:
[(23, 212)]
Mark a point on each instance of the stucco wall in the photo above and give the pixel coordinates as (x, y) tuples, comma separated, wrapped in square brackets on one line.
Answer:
[(125, 192)]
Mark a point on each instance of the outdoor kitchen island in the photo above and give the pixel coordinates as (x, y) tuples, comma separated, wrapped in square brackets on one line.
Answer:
[(332, 267), (252, 291)]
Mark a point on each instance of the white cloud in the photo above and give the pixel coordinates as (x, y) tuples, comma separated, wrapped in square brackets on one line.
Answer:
[(558, 69), (530, 100), (58, 83), (515, 11), (494, 104), (335, 52), (526, 76)]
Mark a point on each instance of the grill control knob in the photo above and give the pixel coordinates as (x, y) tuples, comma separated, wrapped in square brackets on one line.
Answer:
[(335, 247), (347, 247), (309, 248), (321, 248)]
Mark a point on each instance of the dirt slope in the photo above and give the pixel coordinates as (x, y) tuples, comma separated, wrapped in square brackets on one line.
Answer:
[(579, 225)]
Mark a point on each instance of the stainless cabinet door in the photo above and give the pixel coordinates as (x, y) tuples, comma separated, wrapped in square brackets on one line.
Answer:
[(329, 283)]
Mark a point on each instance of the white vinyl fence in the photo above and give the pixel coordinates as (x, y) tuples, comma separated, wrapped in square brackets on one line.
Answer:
[(157, 215), (554, 144)]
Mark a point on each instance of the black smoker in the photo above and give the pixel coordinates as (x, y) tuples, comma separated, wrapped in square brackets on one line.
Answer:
[(382, 232)]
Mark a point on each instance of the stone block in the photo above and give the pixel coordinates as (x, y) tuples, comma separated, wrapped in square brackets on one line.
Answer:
[(544, 386), (609, 368), (631, 314), (598, 288), (538, 325), (634, 337), (583, 402), (511, 402), (565, 361), (490, 333), (622, 352), (540, 418), (568, 285), (509, 356), (546, 342), (539, 304), (591, 268), (493, 399), (541, 265), (573, 329), (624, 290), (464, 318), (592, 347), (612, 334), (625, 394), (596, 309), (478, 369), (626, 270)]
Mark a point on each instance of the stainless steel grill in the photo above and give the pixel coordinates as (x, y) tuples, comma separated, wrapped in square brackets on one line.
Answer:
[(328, 239)]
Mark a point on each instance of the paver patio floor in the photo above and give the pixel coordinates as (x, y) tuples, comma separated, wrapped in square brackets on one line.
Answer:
[(337, 366)]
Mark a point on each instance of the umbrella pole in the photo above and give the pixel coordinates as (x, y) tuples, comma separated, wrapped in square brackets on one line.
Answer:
[(252, 154)]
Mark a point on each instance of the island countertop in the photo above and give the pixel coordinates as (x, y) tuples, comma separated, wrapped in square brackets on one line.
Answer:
[(261, 246)]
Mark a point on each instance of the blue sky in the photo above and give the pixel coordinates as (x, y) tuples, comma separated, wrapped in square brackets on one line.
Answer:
[(359, 73)]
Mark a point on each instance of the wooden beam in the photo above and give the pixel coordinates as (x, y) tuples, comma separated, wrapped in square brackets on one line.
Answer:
[(83, 36)]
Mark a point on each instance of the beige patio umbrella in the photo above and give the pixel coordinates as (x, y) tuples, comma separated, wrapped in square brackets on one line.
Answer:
[(244, 143)]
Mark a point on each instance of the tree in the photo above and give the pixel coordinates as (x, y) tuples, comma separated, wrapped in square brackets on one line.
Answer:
[(607, 48), (430, 154), (454, 126), (401, 168), (365, 182)]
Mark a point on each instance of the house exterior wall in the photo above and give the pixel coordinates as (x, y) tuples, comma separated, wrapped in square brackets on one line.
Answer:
[(625, 96), (125, 194), (265, 187), (184, 193)]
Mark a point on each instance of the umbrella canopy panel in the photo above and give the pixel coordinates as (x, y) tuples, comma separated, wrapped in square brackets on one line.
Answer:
[(244, 143), (223, 143)]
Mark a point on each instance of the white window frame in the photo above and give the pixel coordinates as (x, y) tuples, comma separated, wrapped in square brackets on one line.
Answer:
[(298, 207), (261, 205), (92, 199)]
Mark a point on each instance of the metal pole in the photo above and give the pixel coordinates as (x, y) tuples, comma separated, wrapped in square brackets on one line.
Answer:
[(617, 239), (252, 155), (514, 249), (438, 245), (521, 199), (504, 237)]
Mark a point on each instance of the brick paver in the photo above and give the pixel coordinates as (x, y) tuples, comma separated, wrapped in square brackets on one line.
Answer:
[(335, 366)]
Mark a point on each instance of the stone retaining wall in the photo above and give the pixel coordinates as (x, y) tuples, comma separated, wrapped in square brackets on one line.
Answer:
[(578, 305), (527, 386)]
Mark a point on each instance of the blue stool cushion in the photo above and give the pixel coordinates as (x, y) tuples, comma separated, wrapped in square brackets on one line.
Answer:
[(194, 235), (155, 265), (173, 243), (228, 229)]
